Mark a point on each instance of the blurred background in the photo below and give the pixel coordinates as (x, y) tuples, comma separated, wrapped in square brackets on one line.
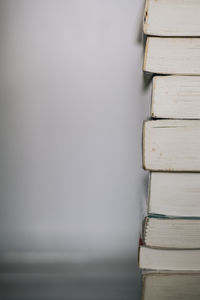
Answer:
[(72, 188)]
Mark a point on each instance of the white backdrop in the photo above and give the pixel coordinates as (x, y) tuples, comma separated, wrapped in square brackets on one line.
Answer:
[(72, 101)]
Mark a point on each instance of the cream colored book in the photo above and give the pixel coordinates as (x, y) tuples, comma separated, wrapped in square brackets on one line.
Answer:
[(172, 17), (165, 259), (177, 233), (174, 194), (171, 145), (176, 97), (180, 56), (170, 286)]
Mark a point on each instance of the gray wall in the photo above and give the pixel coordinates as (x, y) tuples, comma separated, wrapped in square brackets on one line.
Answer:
[(72, 102)]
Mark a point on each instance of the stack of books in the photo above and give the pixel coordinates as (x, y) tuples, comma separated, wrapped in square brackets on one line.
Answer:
[(170, 253)]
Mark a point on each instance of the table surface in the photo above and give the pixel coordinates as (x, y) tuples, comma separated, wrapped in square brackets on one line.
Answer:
[(81, 281)]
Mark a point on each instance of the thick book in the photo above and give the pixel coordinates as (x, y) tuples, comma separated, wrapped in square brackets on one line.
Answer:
[(171, 286), (176, 97), (172, 233), (172, 18), (171, 145), (169, 260), (179, 56), (174, 194)]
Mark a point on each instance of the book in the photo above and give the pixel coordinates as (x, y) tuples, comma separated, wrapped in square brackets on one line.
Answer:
[(179, 56), (172, 18), (165, 259), (174, 233), (171, 145), (174, 194), (176, 97), (171, 286), (170, 244)]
